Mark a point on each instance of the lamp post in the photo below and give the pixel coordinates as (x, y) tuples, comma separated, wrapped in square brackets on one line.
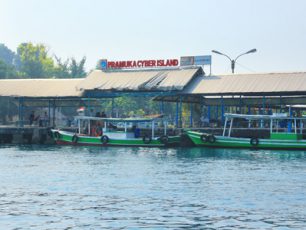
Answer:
[(233, 61)]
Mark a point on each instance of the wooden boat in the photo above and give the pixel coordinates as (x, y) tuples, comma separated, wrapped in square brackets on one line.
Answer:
[(116, 132), (290, 137)]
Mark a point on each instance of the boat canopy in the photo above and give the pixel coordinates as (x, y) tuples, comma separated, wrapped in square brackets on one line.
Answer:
[(129, 119), (274, 118), (260, 117)]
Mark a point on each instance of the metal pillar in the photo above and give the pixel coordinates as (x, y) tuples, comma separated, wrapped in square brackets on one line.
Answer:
[(280, 104), (113, 106), (53, 117), (181, 112), (289, 122), (263, 110), (88, 105), (20, 112), (191, 114), (177, 114), (49, 112), (240, 105), (161, 107), (263, 104), (217, 112), (222, 109), (8, 109)]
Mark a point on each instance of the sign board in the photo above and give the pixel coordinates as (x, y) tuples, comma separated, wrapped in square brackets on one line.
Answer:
[(195, 60), (105, 64), (202, 60), (188, 60)]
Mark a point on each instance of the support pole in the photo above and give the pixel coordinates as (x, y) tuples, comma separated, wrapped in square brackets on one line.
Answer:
[(8, 109), (217, 113), (191, 115), (210, 69), (263, 110), (222, 109), (240, 105), (113, 106), (231, 126), (224, 128), (53, 117), (79, 125), (22, 112), (289, 123), (19, 112), (153, 129), (177, 114), (89, 107), (161, 107), (181, 112), (280, 104), (49, 112)]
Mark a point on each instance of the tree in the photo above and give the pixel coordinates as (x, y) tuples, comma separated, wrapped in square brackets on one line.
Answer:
[(69, 68), (7, 55), (77, 69), (7, 71), (35, 61), (61, 69)]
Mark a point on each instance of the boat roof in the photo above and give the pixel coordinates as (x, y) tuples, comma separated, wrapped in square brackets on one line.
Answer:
[(259, 117), (129, 119)]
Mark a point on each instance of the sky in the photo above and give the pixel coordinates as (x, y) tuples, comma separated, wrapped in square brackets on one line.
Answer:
[(163, 29)]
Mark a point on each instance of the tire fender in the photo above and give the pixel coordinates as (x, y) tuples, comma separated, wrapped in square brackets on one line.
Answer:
[(211, 139), (146, 139), (104, 139), (254, 141)]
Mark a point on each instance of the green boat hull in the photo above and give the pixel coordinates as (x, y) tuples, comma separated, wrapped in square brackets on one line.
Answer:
[(232, 142), (67, 138)]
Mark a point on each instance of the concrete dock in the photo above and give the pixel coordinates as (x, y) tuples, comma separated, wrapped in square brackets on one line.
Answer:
[(25, 135)]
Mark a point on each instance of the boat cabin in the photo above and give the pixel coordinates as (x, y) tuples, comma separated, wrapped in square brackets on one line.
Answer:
[(280, 126), (120, 128)]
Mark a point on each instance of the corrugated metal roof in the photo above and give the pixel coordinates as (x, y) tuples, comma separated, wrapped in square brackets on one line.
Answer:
[(187, 81), (158, 80), (146, 80), (40, 88), (254, 100), (249, 84)]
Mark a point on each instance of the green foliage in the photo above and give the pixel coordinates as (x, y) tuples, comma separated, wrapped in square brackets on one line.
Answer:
[(135, 106), (61, 69), (7, 55), (77, 69), (9, 109), (7, 59), (7, 71), (34, 60)]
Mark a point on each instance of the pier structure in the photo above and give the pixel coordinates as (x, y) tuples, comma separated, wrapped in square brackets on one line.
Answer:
[(31, 94), (265, 93), (204, 96)]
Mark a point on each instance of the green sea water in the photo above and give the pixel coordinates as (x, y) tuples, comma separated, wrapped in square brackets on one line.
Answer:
[(51, 187)]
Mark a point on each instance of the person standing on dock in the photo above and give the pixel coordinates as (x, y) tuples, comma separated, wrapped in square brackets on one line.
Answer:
[(32, 117), (103, 114), (45, 119)]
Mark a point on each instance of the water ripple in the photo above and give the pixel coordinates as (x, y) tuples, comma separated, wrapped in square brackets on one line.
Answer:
[(130, 188)]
